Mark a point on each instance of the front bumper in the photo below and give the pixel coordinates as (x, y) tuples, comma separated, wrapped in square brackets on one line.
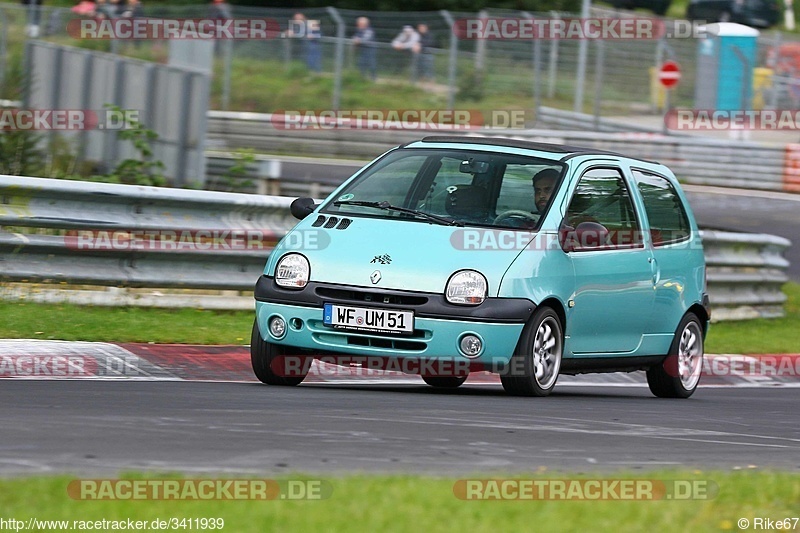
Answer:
[(438, 325)]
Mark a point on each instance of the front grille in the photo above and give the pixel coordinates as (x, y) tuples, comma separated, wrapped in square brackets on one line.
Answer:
[(382, 342), (367, 297)]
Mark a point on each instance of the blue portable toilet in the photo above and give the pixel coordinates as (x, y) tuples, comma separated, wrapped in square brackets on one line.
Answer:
[(726, 56)]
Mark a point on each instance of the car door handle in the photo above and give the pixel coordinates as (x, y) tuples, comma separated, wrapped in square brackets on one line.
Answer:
[(654, 270)]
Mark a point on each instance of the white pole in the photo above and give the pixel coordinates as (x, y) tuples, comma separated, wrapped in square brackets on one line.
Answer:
[(788, 16)]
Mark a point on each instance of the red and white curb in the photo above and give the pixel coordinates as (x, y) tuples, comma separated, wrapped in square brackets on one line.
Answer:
[(45, 359)]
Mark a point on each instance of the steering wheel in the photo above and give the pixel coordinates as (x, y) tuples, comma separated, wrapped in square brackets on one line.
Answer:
[(516, 213)]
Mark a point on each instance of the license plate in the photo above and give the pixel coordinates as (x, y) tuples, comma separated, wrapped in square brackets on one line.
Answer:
[(368, 319)]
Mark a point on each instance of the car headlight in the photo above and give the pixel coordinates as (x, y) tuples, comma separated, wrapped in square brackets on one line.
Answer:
[(466, 287), (292, 271)]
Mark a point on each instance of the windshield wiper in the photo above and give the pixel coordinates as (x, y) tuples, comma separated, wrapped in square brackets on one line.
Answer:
[(386, 206)]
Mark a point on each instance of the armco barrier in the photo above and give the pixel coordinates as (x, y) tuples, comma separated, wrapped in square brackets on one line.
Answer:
[(697, 160), (40, 219)]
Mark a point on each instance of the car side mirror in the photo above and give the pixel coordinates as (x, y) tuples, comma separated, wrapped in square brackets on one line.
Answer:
[(302, 207)]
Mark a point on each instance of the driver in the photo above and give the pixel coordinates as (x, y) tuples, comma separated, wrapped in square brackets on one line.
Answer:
[(544, 183)]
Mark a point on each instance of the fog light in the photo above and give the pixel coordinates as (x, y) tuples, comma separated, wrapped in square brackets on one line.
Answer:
[(277, 327), (470, 345)]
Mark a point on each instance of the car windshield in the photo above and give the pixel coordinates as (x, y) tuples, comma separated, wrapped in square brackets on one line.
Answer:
[(453, 187)]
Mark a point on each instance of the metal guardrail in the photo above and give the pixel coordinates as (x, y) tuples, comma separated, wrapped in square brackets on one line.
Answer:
[(745, 272), (60, 208), (40, 220), (695, 160)]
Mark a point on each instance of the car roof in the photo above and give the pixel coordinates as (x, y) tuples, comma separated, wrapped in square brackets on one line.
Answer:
[(568, 151)]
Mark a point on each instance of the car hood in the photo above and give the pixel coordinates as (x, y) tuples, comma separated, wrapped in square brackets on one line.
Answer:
[(408, 255)]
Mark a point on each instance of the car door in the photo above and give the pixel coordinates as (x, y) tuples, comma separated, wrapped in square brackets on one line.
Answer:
[(677, 263), (613, 295)]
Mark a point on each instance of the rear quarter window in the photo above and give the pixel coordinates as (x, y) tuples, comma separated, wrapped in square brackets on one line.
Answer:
[(664, 208)]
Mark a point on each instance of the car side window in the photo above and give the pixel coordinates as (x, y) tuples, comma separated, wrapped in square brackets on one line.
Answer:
[(602, 213), (665, 212), (516, 190)]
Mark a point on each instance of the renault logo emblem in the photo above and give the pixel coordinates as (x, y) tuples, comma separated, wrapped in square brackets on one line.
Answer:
[(375, 277)]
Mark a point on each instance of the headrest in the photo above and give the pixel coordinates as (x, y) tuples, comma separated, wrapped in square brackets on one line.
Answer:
[(467, 201)]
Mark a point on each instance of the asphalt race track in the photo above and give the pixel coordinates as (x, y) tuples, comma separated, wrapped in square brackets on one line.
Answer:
[(102, 427)]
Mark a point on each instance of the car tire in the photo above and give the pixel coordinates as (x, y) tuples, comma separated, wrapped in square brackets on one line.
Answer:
[(264, 356), (534, 367), (678, 375), (444, 382)]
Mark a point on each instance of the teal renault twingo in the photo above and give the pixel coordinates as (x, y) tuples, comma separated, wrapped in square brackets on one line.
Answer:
[(455, 254)]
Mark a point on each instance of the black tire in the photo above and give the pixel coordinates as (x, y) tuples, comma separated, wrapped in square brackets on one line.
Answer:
[(264, 357), (521, 379), (679, 374), (445, 382)]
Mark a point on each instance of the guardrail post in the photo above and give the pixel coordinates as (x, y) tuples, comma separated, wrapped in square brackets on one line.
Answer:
[(269, 174), (338, 58), (451, 69)]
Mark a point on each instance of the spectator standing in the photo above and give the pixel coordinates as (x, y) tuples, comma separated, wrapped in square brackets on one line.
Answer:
[(310, 34), (364, 39), (132, 9), (104, 10), (408, 40), (219, 10), (34, 8), (424, 49)]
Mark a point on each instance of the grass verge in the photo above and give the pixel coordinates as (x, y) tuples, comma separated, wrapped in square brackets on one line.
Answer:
[(775, 335), (23, 320), (406, 503)]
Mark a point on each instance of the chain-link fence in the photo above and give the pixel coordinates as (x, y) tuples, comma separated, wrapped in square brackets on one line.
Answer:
[(331, 70)]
